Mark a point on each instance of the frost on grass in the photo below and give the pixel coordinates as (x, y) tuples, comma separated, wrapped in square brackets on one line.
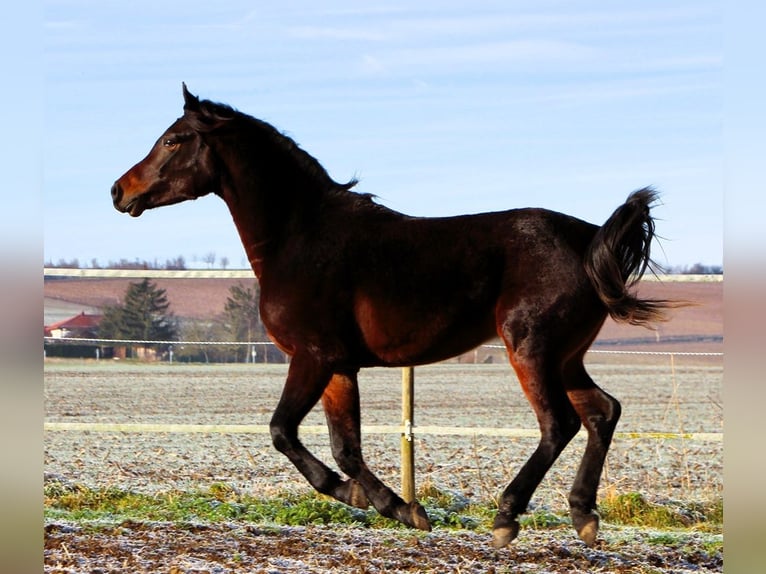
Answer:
[(236, 548)]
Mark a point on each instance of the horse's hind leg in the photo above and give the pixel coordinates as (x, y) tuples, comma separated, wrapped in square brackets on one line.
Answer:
[(306, 381), (540, 379), (341, 405), (599, 413)]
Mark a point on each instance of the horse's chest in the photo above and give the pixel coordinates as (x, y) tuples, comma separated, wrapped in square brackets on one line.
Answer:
[(296, 315)]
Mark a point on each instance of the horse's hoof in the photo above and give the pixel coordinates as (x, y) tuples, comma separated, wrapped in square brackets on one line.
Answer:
[(503, 535), (587, 527), (416, 516)]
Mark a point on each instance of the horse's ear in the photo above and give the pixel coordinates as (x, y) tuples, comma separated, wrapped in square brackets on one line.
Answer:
[(191, 102), (194, 112), (204, 116)]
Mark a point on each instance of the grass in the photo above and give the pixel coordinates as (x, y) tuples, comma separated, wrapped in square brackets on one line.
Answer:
[(222, 502), (633, 509)]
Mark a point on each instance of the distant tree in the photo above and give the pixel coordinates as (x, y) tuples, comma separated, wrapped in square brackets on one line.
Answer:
[(126, 264), (64, 264), (174, 263), (209, 259), (179, 263), (241, 314), (143, 315), (242, 319), (698, 269), (200, 330), (224, 262)]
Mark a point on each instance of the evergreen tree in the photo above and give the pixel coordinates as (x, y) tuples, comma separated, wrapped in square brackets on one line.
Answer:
[(143, 315)]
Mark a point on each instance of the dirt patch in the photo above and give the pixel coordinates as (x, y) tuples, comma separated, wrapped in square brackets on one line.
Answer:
[(232, 547), (657, 397)]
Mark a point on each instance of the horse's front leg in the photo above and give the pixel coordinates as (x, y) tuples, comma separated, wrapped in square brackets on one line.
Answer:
[(341, 405), (306, 381)]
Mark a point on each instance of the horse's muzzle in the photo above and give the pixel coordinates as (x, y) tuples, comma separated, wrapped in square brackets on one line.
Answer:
[(116, 195), (134, 206)]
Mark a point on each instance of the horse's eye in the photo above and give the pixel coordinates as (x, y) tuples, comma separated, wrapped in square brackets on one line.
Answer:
[(169, 142)]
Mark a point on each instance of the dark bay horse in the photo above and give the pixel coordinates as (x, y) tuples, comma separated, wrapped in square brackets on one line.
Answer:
[(347, 283)]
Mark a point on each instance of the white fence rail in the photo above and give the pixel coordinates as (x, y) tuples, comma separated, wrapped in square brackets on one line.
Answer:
[(366, 429), (248, 274), (84, 340)]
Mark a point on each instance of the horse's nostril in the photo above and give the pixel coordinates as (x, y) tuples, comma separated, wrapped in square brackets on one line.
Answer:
[(116, 192)]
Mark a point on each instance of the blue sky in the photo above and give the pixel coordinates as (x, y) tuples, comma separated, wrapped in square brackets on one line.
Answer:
[(439, 108)]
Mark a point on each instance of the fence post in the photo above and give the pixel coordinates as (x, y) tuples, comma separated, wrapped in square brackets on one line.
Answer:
[(408, 445)]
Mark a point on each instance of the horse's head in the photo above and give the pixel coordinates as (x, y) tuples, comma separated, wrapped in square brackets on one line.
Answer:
[(180, 166)]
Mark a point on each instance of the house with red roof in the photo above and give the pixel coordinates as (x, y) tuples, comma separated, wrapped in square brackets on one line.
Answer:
[(61, 338), (82, 326)]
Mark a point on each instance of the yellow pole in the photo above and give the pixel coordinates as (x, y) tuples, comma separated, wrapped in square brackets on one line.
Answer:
[(408, 445)]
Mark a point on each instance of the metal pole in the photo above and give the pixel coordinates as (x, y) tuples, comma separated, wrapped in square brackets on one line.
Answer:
[(408, 445)]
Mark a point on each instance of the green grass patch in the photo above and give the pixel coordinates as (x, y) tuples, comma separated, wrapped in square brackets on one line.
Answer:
[(634, 510), (542, 519), (219, 503), (222, 502)]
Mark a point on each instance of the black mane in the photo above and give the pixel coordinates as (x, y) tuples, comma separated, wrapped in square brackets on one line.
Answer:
[(214, 116), (308, 163)]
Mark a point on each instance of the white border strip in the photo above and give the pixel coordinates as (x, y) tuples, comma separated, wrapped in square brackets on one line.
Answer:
[(366, 429)]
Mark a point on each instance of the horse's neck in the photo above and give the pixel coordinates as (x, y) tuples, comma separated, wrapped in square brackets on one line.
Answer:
[(254, 231), (255, 248), (263, 218), (270, 208)]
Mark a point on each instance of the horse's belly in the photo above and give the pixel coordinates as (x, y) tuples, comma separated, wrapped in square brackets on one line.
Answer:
[(396, 336)]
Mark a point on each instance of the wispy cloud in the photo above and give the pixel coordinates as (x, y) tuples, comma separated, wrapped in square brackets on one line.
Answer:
[(62, 24), (496, 54), (335, 33)]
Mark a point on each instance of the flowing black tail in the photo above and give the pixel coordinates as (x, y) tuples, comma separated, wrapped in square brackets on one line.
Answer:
[(619, 255)]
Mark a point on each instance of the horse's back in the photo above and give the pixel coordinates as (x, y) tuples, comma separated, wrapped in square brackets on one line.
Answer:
[(475, 254), (426, 289)]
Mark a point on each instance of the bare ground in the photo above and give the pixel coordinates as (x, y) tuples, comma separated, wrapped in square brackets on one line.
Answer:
[(657, 396), (235, 547)]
